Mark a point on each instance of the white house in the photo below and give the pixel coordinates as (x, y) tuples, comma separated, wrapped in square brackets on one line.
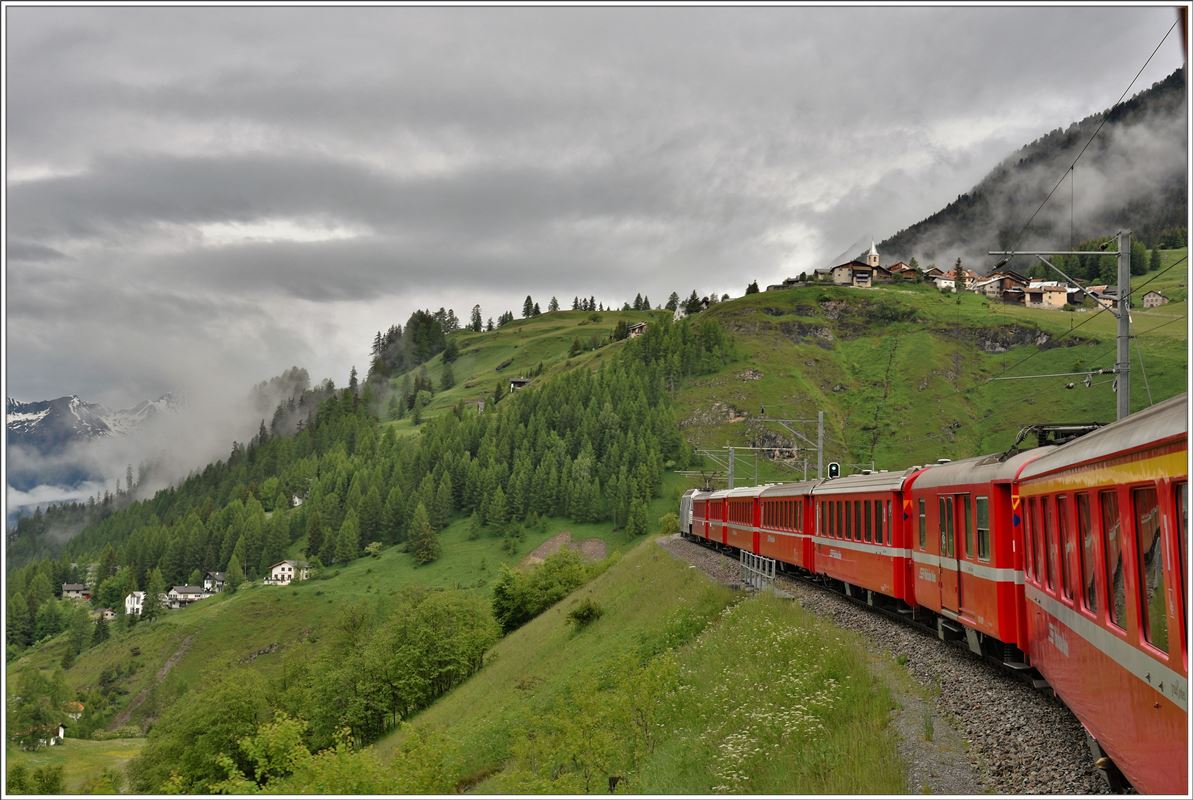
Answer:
[(134, 603), (283, 572), (182, 596), (213, 582)]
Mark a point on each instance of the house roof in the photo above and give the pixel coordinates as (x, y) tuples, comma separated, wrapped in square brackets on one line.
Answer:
[(188, 590), (1153, 291), (219, 576), (291, 562), (73, 587), (855, 264), (637, 325)]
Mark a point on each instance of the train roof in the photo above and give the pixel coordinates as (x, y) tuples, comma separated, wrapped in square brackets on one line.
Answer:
[(873, 482), (980, 469), (793, 489), (1164, 420)]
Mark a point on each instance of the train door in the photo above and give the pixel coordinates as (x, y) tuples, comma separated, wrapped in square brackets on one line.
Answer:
[(950, 567)]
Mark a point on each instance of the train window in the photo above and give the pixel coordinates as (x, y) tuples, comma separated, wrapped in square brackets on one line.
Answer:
[(1028, 540), (940, 509), (1154, 602), (799, 522), (1182, 523), (1112, 544), (840, 504), (1049, 544), (947, 532), (982, 511), (923, 526), (1066, 545), (857, 519), (878, 522), (1038, 535), (869, 524), (968, 526), (1085, 530)]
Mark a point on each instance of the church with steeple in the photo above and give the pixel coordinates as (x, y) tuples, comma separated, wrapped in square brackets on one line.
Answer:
[(859, 273)]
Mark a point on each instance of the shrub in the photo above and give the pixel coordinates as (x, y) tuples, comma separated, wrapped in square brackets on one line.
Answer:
[(669, 522), (585, 613)]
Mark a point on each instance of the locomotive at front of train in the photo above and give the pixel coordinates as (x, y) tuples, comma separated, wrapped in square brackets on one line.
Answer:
[(1106, 566)]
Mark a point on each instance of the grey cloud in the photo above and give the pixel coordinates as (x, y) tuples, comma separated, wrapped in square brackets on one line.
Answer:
[(482, 154), (31, 251)]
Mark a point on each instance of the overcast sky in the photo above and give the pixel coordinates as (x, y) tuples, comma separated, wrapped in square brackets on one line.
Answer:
[(211, 195)]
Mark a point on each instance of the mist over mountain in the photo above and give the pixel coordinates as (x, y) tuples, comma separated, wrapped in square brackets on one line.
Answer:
[(69, 449), (1134, 176)]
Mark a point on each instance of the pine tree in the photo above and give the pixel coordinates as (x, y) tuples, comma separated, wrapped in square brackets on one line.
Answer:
[(527, 307), (752, 288), (352, 382), (646, 302), (155, 587), (442, 510), (638, 302), (476, 319), (448, 379), (537, 311), (101, 632), (314, 533), (234, 575), (553, 306), (672, 302), (638, 521), (576, 303), (489, 324), (424, 544), (348, 539), (1154, 263)]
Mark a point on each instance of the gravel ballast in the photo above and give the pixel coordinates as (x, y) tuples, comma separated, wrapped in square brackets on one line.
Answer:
[(1020, 740)]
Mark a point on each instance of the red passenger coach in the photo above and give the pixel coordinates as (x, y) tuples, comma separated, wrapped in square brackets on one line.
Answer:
[(1106, 573), (788, 523), (967, 548), (717, 509), (741, 518), (862, 536)]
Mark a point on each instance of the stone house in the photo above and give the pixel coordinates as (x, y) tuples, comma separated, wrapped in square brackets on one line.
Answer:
[(1154, 299)]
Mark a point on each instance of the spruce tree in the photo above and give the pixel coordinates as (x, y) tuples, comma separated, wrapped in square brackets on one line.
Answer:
[(553, 306), (476, 319), (234, 575), (348, 540), (527, 307), (314, 533), (1154, 263), (155, 587), (424, 544), (448, 379), (672, 302), (752, 288)]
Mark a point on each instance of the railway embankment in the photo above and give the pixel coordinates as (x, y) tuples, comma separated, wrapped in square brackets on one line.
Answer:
[(964, 725)]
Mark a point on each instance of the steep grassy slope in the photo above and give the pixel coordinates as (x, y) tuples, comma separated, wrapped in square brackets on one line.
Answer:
[(674, 689), (903, 372), (517, 349)]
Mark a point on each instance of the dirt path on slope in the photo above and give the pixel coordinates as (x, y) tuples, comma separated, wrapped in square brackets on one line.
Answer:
[(589, 549), (124, 716)]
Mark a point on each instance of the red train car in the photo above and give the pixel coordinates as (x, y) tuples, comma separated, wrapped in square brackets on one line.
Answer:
[(741, 518), (862, 538), (1106, 573), (787, 524), (967, 548)]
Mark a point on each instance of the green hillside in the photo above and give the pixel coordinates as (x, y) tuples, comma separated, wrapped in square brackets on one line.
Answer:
[(519, 349), (672, 652), (903, 372)]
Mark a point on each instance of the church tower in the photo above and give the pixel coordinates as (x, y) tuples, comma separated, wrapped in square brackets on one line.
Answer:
[(872, 257)]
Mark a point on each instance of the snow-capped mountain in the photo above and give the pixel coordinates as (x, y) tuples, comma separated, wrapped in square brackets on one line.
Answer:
[(48, 425)]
